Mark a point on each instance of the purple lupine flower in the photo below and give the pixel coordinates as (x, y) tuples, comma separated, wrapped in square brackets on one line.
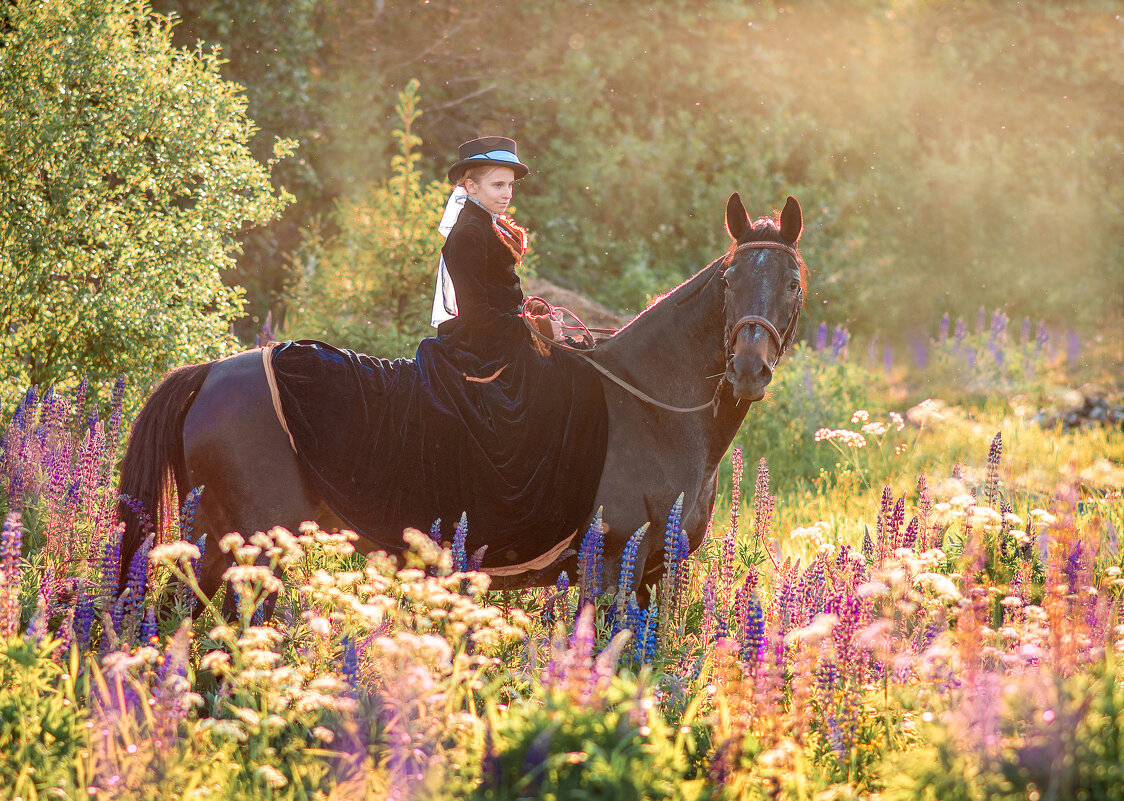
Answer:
[(785, 601), (148, 629), (942, 334), (751, 621), (590, 561), (882, 526), (762, 503), (991, 484), (714, 621), (839, 339), (561, 590), (909, 539), (981, 320), (1041, 335), (349, 659), (435, 531), (460, 557), (812, 589), (924, 507), (144, 519), (868, 546), (999, 327), (111, 564), (476, 560), (136, 582), (11, 548), (729, 542), (1072, 347), (888, 358), (821, 337), (960, 331), (187, 512), (897, 519), (83, 616)]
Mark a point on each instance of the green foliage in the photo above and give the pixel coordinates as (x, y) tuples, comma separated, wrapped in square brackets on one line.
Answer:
[(810, 391), (43, 734), (613, 745), (124, 178), (369, 286), (1058, 739)]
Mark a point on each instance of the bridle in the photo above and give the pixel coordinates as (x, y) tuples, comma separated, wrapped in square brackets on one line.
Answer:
[(782, 341)]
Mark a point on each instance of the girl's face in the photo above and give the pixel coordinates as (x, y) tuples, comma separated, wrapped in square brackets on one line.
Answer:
[(494, 189)]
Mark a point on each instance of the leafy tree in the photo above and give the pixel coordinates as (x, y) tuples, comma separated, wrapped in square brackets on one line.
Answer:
[(124, 178), (369, 286)]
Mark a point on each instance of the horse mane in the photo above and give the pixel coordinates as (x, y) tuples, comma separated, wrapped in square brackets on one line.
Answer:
[(763, 229), (684, 292)]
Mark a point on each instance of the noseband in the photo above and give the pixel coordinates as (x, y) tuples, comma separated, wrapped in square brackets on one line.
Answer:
[(782, 341)]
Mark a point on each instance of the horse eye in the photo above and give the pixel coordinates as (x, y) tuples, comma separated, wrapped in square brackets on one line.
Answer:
[(795, 285)]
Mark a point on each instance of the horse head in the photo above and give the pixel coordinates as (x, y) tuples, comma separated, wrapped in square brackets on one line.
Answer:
[(766, 283)]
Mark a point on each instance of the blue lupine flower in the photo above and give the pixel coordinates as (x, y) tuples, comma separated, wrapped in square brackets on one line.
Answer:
[(148, 629), (752, 627), (839, 339), (187, 512), (477, 559), (83, 616), (942, 335), (646, 642), (349, 662), (197, 564), (110, 565), (460, 558), (435, 531), (137, 578), (143, 517), (628, 559), (591, 561), (671, 561), (821, 337)]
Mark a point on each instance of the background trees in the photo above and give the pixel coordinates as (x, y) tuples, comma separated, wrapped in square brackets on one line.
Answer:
[(124, 176), (948, 155)]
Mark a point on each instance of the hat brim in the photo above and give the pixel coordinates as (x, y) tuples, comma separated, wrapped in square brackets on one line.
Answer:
[(495, 158)]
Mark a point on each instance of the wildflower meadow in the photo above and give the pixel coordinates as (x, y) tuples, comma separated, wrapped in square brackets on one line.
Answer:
[(927, 605)]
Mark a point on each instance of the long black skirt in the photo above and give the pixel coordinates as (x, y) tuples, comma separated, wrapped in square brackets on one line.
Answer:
[(391, 444)]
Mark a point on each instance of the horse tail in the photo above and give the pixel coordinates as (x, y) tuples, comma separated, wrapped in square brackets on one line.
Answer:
[(154, 459)]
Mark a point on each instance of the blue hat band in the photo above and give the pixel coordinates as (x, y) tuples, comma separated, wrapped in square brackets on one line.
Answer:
[(496, 155)]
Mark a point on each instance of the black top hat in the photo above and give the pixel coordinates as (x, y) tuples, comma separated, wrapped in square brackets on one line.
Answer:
[(497, 151)]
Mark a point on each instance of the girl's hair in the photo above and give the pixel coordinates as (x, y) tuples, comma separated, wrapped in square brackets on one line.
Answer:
[(477, 174)]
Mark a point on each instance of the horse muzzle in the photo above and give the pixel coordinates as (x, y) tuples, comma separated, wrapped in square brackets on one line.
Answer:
[(749, 369), (749, 374)]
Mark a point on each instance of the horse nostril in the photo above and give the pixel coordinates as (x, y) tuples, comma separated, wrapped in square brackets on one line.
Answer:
[(766, 373)]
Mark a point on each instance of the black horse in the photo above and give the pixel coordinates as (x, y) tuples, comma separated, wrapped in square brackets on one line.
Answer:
[(678, 381)]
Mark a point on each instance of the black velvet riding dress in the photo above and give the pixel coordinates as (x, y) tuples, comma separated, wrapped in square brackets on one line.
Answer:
[(396, 443)]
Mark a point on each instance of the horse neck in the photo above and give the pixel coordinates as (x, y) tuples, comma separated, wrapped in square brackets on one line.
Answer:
[(675, 351)]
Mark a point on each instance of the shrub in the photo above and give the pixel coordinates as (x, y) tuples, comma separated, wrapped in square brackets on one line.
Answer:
[(124, 179)]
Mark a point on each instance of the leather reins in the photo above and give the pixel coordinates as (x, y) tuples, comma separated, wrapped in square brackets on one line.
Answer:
[(782, 341)]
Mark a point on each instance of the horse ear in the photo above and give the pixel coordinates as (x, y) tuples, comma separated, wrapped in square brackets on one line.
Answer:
[(792, 221), (736, 217)]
